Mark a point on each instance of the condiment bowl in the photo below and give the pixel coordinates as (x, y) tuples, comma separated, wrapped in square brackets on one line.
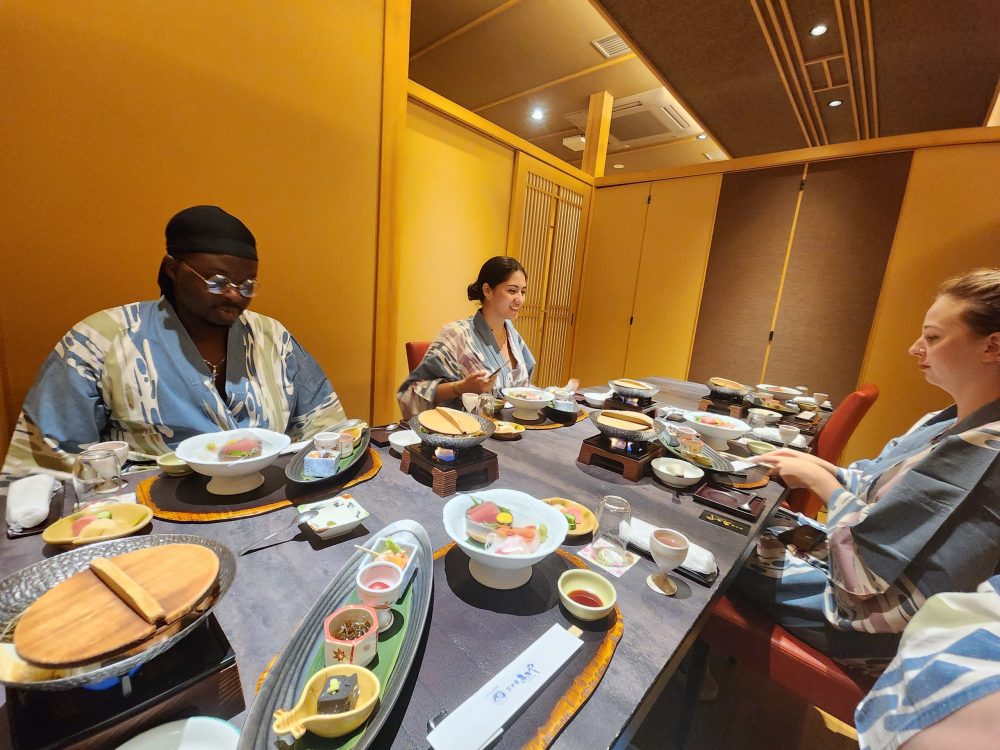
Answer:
[(759, 447), (594, 583), (676, 473), (402, 438), (170, 464)]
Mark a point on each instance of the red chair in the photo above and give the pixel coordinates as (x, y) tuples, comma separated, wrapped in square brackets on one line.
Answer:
[(741, 630), (415, 351), (832, 439)]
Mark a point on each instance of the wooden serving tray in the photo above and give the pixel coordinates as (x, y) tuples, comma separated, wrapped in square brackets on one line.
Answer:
[(81, 620)]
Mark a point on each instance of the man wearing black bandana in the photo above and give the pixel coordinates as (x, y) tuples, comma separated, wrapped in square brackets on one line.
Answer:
[(194, 361)]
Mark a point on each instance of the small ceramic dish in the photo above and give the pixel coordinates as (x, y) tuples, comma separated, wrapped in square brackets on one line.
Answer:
[(584, 517), (187, 734), (507, 431), (769, 416), (597, 398), (170, 464), (759, 447), (352, 648), (119, 447), (337, 516), (127, 517), (304, 717), (592, 583), (399, 440), (380, 546), (674, 472)]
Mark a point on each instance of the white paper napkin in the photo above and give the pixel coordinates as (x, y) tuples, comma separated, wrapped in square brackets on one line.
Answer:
[(28, 501), (698, 559)]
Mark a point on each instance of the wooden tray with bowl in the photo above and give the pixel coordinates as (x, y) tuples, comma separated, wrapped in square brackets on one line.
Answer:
[(451, 430)]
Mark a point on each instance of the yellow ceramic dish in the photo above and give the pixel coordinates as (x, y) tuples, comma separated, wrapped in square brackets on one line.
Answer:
[(588, 521), (133, 518), (507, 431), (577, 579), (304, 717), (170, 464)]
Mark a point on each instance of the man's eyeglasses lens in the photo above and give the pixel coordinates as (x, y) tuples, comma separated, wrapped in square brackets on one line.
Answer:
[(218, 284)]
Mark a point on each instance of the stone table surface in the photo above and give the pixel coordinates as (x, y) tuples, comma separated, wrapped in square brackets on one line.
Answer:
[(276, 584)]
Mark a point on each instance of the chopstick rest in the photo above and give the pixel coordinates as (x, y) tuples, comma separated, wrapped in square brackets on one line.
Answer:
[(130, 592)]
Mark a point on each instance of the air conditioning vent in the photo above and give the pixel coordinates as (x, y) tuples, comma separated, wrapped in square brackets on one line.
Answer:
[(611, 46), (647, 118)]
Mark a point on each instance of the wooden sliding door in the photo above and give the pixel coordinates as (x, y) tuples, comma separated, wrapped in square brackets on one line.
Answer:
[(839, 253), (547, 228), (753, 225)]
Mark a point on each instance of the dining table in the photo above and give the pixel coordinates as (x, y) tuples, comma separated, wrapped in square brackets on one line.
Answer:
[(276, 583)]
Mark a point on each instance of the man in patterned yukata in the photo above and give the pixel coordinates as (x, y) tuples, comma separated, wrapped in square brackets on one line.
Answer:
[(193, 361)]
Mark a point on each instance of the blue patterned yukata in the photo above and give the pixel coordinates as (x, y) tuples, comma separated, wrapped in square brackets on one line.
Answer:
[(922, 518), (460, 349), (949, 657), (133, 373)]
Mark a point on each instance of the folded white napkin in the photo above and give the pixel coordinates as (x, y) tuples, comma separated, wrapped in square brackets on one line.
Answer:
[(698, 559), (28, 501)]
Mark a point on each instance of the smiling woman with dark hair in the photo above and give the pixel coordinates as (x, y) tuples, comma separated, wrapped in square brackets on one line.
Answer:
[(477, 354), (194, 361)]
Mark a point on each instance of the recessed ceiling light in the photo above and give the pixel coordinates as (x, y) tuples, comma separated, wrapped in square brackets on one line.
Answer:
[(834, 103), (818, 30), (537, 114), (701, 136), (619, 166)]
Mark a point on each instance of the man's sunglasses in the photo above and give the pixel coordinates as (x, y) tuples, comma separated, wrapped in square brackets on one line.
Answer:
[(218, 284)]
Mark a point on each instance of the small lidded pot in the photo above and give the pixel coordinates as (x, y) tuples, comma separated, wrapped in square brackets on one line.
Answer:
[(350, 636)]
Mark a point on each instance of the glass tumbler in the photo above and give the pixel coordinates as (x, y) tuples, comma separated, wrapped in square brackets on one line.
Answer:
[(95, 472), (614, 517)]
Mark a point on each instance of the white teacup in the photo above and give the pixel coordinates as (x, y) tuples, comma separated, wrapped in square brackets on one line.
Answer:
[(820, 398), (787, 433), (682, 431), (327, 441), (668, 548), (118, 447)]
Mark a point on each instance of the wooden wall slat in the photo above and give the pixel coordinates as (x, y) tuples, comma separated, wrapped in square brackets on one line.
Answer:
[(752, 226), (842, 241)]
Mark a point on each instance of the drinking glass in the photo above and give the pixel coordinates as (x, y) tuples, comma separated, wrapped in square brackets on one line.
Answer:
[(470, 401), (487, 405), (668, 548), (787, 433), (614, 517), (95, 472), (756, 420)]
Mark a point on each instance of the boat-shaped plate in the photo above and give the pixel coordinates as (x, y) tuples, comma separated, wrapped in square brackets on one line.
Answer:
[(302, 656), (19, 590), (296, 467), (709, 459)]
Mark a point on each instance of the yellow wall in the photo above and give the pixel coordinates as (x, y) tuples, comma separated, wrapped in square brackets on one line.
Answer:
[(454, 201), (949, 222), (672, 268), (116, 115)]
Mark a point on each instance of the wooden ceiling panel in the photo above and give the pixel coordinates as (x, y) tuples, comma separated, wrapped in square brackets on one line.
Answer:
[(431, 20), (937, 63), (838, 72), (805, 14), (837, 121), (533, 43), (628, 78), (715, 56)]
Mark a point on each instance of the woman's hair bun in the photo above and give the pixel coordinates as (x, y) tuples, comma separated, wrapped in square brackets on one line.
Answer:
[(494, 272)]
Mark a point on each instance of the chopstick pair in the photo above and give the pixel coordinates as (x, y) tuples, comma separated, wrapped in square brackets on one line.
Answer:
[(494, 373)]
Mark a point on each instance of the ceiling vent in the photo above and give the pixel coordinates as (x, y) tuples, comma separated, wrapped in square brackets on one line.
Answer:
[(611, 46), (643, 119)]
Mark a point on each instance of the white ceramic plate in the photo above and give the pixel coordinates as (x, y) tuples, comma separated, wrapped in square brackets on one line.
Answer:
[(337, 516), (196, 733)]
